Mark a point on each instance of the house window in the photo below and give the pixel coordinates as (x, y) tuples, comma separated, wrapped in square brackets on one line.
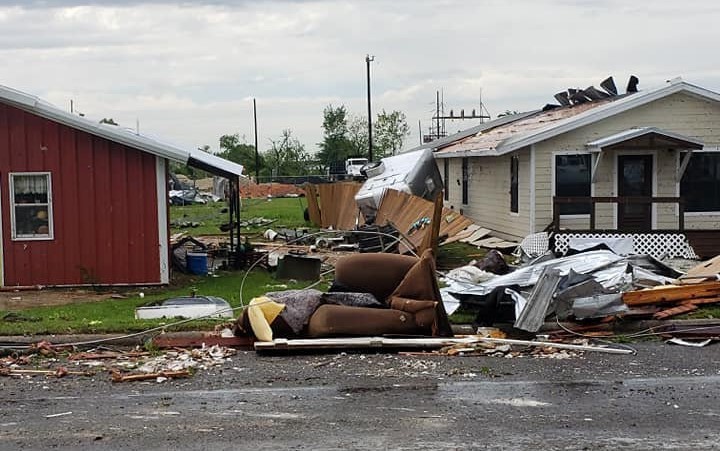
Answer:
[(31, 206), (700, 185), (465, 178), (446, 178), (514, 172), (572, 179)]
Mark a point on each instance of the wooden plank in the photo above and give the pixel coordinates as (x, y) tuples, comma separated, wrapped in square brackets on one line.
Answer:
[(311, 196), (674, 311), (486, 241), (480, 233), (502, 245), (672, 293), (462, 234)]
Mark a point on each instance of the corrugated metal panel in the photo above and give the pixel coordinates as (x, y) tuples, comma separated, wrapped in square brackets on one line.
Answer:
[(104, 206)]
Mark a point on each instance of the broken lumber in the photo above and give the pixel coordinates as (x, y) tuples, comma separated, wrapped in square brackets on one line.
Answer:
[(709, 269), (674, 311), (117, 376), (671, 293)]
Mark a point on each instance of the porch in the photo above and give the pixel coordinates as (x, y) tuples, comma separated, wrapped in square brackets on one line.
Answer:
[(632, 218)]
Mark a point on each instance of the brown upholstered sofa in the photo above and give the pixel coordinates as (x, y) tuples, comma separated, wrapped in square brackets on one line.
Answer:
[(406, 287)]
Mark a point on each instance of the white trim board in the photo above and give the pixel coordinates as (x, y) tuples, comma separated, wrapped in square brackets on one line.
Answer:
[(162, 218)]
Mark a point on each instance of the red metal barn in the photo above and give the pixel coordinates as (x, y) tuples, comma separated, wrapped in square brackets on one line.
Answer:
[(83, 203)]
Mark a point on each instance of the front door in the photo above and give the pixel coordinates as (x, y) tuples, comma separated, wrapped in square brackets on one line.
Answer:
[(635, 177)]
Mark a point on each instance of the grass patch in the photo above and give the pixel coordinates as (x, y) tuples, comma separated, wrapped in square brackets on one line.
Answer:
[(118, 315), (457, 254), (287, 211)]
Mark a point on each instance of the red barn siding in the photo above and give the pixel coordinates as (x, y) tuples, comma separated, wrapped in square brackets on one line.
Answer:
[(104, 206)]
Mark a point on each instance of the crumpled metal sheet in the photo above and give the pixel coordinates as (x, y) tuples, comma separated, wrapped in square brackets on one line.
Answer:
[(584, 263)]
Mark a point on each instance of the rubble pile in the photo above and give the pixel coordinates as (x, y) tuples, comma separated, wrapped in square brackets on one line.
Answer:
[(123, 366)]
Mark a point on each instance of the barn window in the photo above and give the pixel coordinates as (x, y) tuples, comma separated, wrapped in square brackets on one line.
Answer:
[(700, 185), (31, 206)]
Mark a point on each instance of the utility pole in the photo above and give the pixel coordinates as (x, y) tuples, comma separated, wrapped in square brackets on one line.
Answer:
[(368, 59), (257, 158)]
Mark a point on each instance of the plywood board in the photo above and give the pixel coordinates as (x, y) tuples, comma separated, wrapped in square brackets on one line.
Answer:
[(312, 201), (479, 234), (462, 234), (706, 270)]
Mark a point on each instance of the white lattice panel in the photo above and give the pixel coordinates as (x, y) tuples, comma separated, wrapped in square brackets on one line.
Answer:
[(659, 245)]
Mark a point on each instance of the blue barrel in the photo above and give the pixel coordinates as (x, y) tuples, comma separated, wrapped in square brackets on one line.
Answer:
[(197, 263)]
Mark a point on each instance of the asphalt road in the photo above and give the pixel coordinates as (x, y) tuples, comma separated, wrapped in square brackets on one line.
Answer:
[(665, 397)]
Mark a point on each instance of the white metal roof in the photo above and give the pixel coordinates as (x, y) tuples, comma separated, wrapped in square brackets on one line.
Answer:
[(117, 134)]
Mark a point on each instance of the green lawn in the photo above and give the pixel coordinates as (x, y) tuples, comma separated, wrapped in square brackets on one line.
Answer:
[(286, 211), (118, 315)]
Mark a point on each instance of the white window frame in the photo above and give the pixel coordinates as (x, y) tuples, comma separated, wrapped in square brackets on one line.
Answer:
[(677, 184), (554, 182), (51, 232)]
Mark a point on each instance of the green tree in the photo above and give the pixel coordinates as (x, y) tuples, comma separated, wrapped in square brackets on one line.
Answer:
[(358, 136), (389, 133), (234, 149), (287, 156), (335, 145)]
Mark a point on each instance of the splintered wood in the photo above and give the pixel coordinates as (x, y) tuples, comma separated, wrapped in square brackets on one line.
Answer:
[(336, 208), (677, 299), (413, 215), (672, 293)]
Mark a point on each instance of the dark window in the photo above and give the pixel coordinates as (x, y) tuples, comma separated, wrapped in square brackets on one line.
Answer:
[(700, 185), (465, 177), (446, 178), (514, 169), (572, 179)]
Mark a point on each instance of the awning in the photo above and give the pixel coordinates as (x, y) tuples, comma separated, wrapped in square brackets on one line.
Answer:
[(645, 138), (214, 164)]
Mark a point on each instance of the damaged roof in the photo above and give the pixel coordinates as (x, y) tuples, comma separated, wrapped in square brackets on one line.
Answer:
[(130, 138), (542, 125)]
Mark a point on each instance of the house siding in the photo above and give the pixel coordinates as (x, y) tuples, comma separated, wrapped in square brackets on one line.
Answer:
[(489, 193), (104, 206), (680, 113)]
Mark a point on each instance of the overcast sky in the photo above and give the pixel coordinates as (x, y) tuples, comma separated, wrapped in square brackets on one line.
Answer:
[(188, 70)]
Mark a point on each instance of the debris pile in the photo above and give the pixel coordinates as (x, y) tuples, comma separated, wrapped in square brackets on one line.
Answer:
[(47, 360), (265, 190)]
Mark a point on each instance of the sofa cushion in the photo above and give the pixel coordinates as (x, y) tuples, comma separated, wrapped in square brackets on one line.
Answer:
[(378, 274), (340, 320)]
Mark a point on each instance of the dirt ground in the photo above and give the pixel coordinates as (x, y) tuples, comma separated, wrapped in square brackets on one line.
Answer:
[(25, 299), (254, 190)]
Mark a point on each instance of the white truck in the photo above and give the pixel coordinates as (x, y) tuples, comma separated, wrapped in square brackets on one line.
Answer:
[(353, 167)]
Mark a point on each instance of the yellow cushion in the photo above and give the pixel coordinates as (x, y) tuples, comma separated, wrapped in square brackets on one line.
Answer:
[(262, 311)]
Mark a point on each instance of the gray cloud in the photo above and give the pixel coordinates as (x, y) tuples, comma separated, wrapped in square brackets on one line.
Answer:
[(188, 69)]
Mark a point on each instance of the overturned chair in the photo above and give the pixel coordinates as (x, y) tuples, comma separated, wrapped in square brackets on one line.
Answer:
[(406, 288)]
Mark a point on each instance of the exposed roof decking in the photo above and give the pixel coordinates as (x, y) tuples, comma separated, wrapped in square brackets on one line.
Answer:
[(548, 124)]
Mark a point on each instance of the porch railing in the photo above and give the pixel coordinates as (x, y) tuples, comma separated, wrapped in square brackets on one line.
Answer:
[(634, 200)]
